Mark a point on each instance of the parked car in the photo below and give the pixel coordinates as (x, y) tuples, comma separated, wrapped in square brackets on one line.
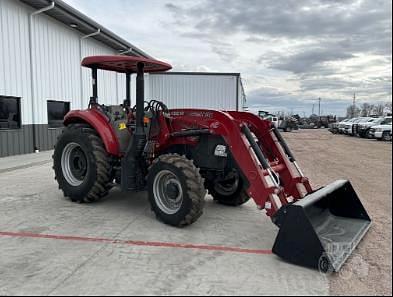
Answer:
[(361, 121), (364, 128), (341, 125), (288, 124), (351, 126), (382, 132), (348, 125)]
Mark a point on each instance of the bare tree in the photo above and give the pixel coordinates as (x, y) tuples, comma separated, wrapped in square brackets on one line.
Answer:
[(353, 111), (388, 107), (379, 109), (366, 109)]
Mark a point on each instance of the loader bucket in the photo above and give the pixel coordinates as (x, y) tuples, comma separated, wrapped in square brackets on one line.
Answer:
[(322, 230)]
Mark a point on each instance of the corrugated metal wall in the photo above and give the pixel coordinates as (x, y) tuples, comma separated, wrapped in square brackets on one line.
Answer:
[(56, 73), (195, 90), (14, 55), (15, 74), (108, 92), (54, 68), (16, 142)]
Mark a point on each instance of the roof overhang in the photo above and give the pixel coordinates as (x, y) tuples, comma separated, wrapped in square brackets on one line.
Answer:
[(73, 18)]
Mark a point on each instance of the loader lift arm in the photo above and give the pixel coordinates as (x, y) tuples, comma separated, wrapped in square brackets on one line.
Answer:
[(271, 178), (319, 228)]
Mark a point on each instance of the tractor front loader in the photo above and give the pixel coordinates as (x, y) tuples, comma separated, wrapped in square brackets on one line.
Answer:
[(180, 154)]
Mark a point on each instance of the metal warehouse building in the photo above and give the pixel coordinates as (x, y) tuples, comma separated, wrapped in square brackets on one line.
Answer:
[(41, 46), (42, 43), (220, 91)]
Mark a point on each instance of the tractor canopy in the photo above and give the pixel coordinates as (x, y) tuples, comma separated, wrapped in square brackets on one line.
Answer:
[(125, 64)]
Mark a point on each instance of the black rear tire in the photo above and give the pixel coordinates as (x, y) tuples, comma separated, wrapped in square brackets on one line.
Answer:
[(237, 196), (91, 181), (176, 190)]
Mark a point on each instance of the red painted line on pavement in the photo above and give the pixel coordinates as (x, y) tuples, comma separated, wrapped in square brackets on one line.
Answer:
[(139, 243)]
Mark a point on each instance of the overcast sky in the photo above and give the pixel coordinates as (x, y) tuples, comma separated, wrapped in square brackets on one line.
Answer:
[(289, 52)]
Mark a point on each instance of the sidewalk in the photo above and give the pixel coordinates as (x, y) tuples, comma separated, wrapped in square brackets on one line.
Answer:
[(8, 164)]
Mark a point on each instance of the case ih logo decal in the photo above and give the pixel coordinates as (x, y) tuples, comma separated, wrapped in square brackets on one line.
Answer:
[(195, 114), (201, 114)]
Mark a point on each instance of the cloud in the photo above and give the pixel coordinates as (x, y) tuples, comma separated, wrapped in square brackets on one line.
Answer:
[(319, 47), (287, 50), (293, 18), (304, 62)]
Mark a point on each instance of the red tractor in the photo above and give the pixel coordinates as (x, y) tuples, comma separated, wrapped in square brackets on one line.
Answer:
[(178, 155)]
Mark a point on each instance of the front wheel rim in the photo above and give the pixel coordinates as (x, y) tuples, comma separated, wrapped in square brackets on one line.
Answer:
[(168, 192), (74, 164)]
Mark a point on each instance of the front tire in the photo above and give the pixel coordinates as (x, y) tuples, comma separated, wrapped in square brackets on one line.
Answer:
[(81, 164), (176, 190), (387, 136)]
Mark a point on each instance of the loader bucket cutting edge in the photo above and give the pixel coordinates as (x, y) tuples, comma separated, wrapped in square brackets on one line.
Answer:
[(322, 230)]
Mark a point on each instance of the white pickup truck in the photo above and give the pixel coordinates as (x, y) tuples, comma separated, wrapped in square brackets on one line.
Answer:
[(383, 132)]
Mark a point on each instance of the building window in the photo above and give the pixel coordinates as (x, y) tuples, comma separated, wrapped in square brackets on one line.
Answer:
[(10, 113), (56, 113)]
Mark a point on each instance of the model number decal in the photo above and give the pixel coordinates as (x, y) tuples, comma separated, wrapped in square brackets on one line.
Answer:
[(177, 113)]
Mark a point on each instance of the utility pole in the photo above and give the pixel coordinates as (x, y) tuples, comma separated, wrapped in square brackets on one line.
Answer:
[(313, 108), (319, 102), (354, 105)]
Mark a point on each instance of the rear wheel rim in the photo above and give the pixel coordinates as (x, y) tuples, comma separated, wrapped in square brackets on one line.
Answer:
[(168, 192), (74, 164)]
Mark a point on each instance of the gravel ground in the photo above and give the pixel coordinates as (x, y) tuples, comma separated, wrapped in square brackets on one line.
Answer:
[(368, 164)]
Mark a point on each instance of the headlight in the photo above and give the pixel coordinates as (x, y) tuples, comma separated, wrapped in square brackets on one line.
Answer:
[(221, 151), (379, 130)]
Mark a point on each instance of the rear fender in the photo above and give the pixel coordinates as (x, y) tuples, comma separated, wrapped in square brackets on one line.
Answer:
[(100, 123)]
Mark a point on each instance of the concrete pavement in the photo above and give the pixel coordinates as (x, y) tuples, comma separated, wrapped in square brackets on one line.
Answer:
[(31, 204), (24, 161)]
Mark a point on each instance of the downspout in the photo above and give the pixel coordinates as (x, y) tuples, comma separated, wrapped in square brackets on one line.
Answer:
[(237, 92), (32, 70), (98, 32)]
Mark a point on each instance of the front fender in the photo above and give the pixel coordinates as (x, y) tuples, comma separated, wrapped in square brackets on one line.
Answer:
[(100, 123)]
